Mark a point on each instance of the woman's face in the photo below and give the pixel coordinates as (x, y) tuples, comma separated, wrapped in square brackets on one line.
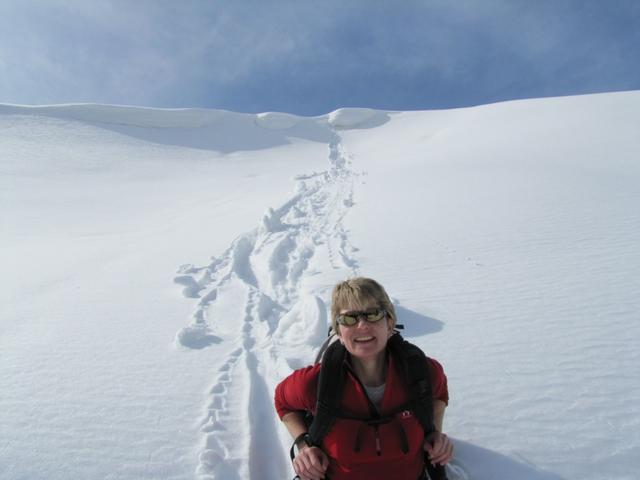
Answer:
[(365, 340)]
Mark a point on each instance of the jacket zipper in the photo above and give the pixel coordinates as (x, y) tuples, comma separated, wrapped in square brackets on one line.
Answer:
[(373, 410), (378, 446)]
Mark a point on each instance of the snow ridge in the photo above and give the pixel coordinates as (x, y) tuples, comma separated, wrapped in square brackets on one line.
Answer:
[(264, 280)]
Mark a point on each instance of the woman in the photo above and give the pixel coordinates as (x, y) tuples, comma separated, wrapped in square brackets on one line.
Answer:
[(364, 318)]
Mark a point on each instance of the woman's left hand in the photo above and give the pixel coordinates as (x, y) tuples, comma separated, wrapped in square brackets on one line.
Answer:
[(439, 448)]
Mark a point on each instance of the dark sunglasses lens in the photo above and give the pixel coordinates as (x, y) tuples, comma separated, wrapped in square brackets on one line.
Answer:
[(347, 320), (374, 316), (351, 318)]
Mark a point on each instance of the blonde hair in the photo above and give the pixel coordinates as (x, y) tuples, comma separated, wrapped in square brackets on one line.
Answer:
[(357, 293)]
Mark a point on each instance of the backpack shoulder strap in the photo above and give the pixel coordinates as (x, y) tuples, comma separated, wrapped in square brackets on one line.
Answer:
[(418, 374), (415, 368), (330, 386)]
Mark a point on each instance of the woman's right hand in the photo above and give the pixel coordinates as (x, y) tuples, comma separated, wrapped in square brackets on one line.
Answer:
[(311, 463)]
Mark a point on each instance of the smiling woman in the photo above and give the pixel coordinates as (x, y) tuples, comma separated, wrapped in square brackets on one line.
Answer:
[(374, 407)]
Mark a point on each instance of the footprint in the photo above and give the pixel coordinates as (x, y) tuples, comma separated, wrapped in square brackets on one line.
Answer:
[(196, 336)]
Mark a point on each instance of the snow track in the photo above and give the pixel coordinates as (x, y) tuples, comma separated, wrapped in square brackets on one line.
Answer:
[(259, 297)]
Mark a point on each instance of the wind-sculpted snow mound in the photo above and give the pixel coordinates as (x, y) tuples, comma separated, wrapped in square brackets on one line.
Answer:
[(127, 115), (277, 120), (348, 118)]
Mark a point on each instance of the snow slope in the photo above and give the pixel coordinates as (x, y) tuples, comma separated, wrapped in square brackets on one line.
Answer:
[(166, 268)]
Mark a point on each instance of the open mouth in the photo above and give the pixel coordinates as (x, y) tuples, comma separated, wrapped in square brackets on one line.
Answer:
[(364, 340)]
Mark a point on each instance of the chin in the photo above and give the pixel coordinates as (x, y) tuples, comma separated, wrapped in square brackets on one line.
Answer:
[(368, 351)]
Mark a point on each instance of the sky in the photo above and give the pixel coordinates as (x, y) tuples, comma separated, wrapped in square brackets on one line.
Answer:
[(311, 57)]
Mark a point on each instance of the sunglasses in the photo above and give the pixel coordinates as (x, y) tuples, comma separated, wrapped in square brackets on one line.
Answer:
[(372, 315)]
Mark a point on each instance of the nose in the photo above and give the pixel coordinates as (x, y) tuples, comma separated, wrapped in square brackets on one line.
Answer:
[(361, 320)]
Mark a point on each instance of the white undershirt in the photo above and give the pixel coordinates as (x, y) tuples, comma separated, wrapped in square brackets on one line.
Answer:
[(375, 394)]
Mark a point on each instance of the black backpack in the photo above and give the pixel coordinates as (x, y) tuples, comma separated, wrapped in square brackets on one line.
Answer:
[(414, 369)]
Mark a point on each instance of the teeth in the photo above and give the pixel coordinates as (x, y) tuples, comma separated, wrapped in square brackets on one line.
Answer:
[(364, 339)]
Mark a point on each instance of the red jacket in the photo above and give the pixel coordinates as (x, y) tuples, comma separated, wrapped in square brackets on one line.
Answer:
[(298, 392)]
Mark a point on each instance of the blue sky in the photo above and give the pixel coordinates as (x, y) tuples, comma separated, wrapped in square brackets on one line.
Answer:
[(311, 57)]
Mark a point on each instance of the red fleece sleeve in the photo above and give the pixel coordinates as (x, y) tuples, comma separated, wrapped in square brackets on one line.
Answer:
[(438, 381), (298, 391)]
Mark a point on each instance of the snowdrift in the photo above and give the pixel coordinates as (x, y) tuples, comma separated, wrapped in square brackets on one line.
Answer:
[(168, 267)]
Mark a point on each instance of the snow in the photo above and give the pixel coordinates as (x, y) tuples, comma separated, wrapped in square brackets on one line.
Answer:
[(166, 268)]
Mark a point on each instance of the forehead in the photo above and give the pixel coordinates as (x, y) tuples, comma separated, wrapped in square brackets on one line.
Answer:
[(358, 304)]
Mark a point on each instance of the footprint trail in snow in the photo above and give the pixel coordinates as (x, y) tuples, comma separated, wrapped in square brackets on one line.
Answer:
[(259, 297)]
